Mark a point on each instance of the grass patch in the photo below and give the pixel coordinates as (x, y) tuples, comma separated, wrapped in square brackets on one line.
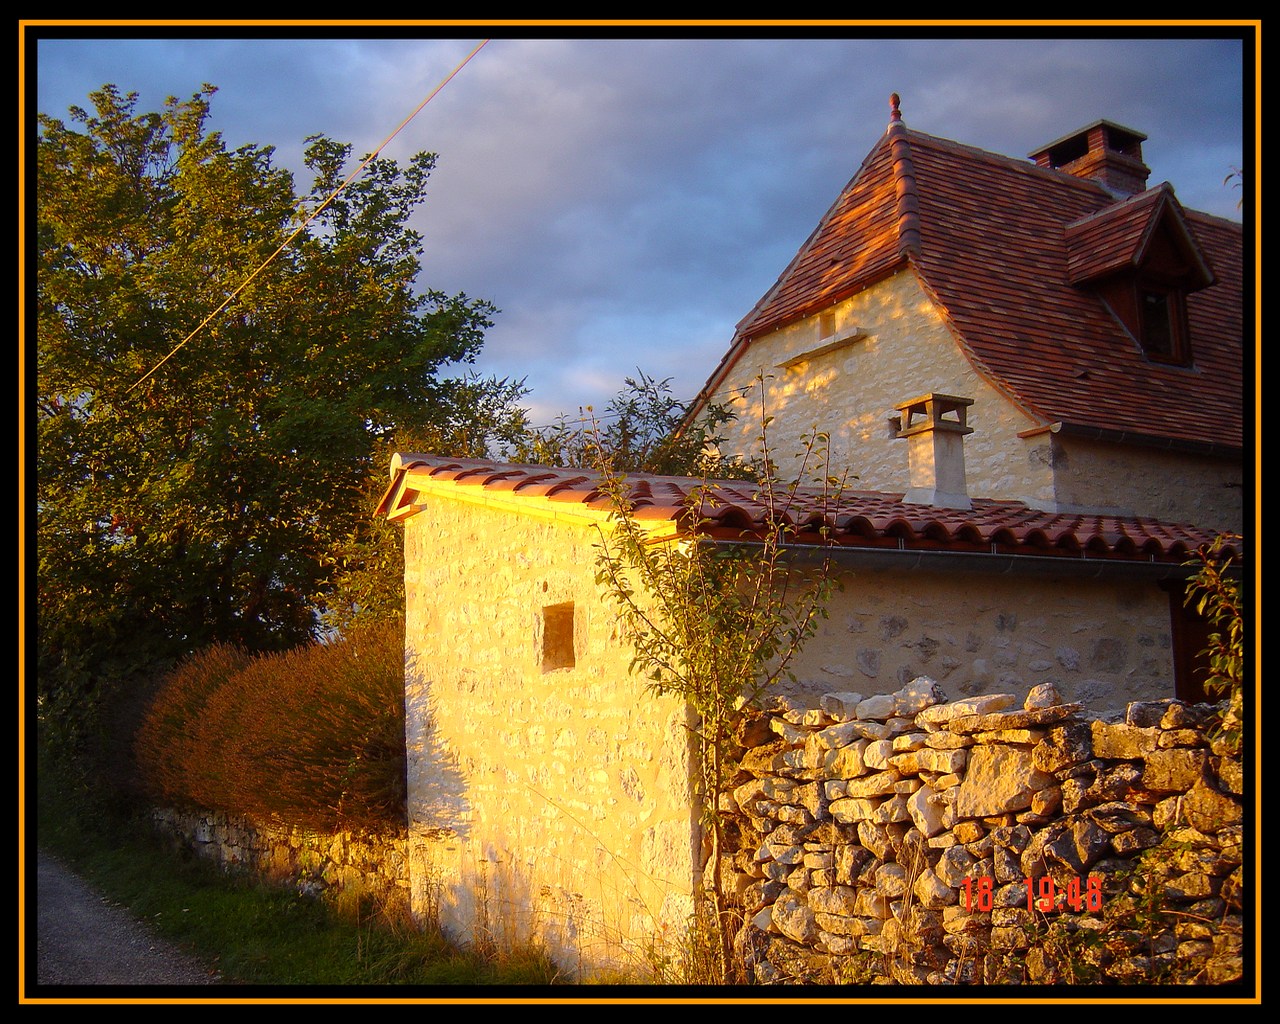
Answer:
[(256, 934)]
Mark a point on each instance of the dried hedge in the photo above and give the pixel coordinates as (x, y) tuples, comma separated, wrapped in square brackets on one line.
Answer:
[(312, 737)]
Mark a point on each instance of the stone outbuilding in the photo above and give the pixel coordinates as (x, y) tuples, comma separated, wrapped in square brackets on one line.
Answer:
[(1034, 373), (551, 793)]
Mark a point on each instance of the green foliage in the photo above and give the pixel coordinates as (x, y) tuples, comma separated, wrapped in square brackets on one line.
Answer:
[(210, 501), (312, 737), (717, 625), (1214, 591), (367, 565), (644, 430)]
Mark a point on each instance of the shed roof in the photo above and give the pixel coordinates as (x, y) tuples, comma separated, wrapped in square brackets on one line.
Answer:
[(734, 510)]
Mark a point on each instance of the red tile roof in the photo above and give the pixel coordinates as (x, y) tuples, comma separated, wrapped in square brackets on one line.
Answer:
[(730, 510), (1118, 237), (999, 243)]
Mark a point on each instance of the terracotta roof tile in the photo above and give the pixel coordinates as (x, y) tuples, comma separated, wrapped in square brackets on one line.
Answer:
[(1116, 238), (734, 510), (1001, 240)]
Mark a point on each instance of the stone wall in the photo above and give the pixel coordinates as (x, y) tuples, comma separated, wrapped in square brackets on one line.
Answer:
[(906, 349), (549, 793), (893, 837), (1101, 641), (316, 863), (1178, 487)]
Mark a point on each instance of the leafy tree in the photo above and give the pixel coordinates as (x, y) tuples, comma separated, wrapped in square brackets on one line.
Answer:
[(368, 563), (200, 498), (642, 430)]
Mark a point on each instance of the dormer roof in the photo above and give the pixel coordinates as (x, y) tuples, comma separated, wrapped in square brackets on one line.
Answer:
[(1127, 237)]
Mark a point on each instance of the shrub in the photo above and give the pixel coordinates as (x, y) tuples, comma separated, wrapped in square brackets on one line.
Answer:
[(312, 737), (165, 748)]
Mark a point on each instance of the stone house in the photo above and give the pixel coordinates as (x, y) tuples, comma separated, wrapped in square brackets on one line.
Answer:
[(1035, 372), (1093, 326)]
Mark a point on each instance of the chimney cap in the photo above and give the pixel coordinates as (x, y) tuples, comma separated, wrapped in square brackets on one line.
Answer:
[(935, 450), (935, 411), (1103, 152), (1120, 137)]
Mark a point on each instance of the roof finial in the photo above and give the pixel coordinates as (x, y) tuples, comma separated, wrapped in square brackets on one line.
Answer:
[(895, 114)]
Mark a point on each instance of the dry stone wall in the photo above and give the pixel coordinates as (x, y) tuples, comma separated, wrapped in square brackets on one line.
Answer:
[(315, 862), (901, 837)]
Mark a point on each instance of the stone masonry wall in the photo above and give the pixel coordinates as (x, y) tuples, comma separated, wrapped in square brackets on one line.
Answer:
[(314, 862), (549, 794), (893, 837), (1174, 486), (906, 349), (1101, 642)]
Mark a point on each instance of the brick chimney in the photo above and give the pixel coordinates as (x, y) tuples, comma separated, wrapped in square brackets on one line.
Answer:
[(934, 426), (1103, 151)]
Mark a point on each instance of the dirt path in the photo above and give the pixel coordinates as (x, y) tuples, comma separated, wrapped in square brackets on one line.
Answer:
[(84, 939)]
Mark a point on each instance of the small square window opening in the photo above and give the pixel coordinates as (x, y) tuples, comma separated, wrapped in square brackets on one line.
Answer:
[(557, 636)]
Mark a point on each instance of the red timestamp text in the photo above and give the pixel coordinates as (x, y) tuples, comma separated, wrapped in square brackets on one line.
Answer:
[(1043, 894)]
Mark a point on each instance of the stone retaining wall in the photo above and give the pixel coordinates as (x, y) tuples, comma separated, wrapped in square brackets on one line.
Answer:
[(315, 862), (899, 837)]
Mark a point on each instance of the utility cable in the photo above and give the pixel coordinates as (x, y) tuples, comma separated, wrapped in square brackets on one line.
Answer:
[(314, 213)]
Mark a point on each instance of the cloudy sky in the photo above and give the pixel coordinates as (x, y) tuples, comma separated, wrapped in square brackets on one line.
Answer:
[(625, 200)]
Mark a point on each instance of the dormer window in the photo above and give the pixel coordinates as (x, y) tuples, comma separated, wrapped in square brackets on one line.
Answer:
[(1142, 259), (1162, 324)]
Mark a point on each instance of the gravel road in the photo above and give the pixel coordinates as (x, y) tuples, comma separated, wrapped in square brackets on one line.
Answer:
[(84, 939)]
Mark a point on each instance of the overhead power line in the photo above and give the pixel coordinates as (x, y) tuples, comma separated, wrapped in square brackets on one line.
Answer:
[(314, 213)]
